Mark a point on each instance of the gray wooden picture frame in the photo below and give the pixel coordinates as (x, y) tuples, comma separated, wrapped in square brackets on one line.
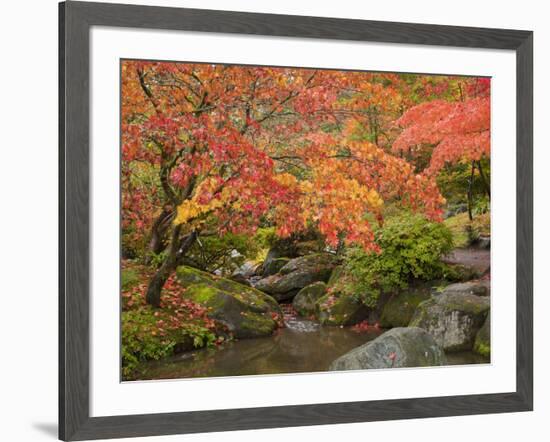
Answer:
[(75, 20)]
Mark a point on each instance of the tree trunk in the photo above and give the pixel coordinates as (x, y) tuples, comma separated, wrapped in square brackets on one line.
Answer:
[(158, 241), (176, 249), (470, 192), (484, 180)]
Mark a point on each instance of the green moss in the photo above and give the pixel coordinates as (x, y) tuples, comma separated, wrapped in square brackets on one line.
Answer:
[(459, 225), (187, 276), (400, 308), (255, 299), (460, 273), (482, 344), (482, 349), (257, 324), (465, 231), (141, 339), (470, 304), (206, 295), (305, 299), (128, 278), (467, 306), (340, 310)]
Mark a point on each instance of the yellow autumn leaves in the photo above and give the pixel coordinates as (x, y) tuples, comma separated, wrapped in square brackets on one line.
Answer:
[(191, 209)]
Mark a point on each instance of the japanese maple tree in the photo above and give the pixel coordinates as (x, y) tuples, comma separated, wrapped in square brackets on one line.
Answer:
[(229, 146), (458, 130)]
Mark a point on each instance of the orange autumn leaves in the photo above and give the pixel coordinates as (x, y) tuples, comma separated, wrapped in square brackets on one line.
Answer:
[(241, 146), (345, 189), (458, 130)]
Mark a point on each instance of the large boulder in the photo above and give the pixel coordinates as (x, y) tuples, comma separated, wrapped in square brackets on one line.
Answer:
[(318, 265), (479, 288), (297, 274), (399, 347), (304, 302), (482, 344), (283, 248), (338, 309), (188, 276), (400, 307), (453, 319), (274, 265), (245, 311), (293, 247)]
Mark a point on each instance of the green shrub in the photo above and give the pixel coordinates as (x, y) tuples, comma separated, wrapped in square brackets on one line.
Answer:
[(411, 248), (265, 237)]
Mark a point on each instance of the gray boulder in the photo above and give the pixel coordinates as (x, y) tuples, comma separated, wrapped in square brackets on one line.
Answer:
[(304, 301), (297, 274), (319, 265), (453, 319), (478, 288), (399, 347), (273, 266), (283, 248)]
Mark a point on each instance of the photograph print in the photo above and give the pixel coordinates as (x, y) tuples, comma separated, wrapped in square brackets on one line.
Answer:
[(294, 220)]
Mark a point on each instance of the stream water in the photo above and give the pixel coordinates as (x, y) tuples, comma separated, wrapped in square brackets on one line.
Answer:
[(302, 346)]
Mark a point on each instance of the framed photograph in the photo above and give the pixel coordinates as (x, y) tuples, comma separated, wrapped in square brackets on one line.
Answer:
[(271, 221)]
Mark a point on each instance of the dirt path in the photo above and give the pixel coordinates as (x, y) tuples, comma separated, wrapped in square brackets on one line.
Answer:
[(479, 259)]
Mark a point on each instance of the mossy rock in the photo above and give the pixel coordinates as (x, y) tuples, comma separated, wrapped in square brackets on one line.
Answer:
[(304, 302), (337, 309), (478, 288), (274, 265), (460, 273), (282, 248), (399, 347), (482, 344), (241, 318), (255, 299), (452, 319), (399, 309), (256, 325), (297, 274), (321, 264), (245, 311), (188, 276)]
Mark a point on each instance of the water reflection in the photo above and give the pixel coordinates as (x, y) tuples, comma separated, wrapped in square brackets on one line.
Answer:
[(303, 346)]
